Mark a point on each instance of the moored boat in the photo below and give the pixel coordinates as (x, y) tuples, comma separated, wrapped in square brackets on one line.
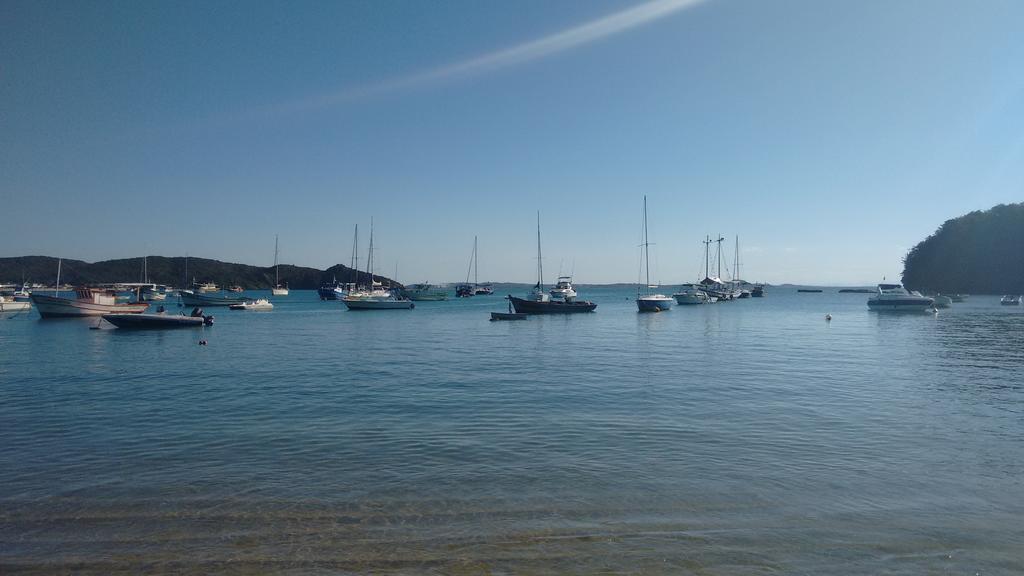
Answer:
[(1010, 300), (258, 304), (896, 298), (539, 301), (8, 304), (563, 289), (157, 321), (692, 294), (278, 289), (375, 297), (88, 302), (942, 301), (425, 292), (650, 302), (189, 298), (758, 291), (206, 287)]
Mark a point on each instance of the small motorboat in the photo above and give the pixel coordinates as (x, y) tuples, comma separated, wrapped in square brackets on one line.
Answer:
[(159, 320), (1010, 300), (8, 304), (260, 304), (894, 297)]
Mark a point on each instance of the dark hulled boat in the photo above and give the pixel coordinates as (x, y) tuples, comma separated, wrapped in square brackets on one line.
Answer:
[(524, 306)]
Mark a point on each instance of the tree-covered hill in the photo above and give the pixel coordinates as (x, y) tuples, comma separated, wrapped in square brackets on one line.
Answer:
[(169, 271), (977, 253)]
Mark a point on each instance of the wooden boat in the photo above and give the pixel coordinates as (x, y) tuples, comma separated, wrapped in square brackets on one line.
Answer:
[(156, 321), (88, 302)]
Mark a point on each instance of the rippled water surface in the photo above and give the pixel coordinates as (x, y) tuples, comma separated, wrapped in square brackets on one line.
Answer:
[(750, 437)]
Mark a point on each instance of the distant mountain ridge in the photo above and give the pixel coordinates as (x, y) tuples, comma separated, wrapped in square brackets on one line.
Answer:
[(170, 271), (978, 253)]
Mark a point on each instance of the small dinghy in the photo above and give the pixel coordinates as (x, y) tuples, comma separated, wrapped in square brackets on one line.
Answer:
[(508, 316)]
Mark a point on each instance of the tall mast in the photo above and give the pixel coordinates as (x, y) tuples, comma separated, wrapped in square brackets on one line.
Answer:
[(736, 262), (476, 264), (707, 256), (277, 279), (369, 258), (355, 257), (720, 239), (540, 262), (647, 251), (472, 257), (57, 289)]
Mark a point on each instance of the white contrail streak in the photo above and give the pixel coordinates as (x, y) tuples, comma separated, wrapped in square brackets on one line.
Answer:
[(533, 50)]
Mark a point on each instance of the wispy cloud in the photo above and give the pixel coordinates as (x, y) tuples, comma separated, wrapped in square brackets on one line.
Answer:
[(579, 35)]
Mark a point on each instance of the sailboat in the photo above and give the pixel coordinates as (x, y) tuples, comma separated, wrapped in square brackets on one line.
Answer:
[(278, 290), (647, 301), (475, 288), (375, 297), (713, 285), (539, 301)]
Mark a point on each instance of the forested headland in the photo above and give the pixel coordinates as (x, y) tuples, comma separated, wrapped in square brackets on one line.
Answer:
[(978, 253)]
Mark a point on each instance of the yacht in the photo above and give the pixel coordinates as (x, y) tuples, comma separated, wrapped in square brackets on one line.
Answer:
[(1010, 300), (207, 287), (894, 297), (538, 301), (693, 294), (563, 289), (259, 304), (425, 292)]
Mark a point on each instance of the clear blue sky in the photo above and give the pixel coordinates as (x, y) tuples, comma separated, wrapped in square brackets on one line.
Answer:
[(830, 135)]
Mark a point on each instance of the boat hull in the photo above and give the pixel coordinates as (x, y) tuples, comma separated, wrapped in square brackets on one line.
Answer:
[(206, 300), (153, 321), (279, 291), (495, 316), (659, 304), (691, 298), (908, 305), (56, 307), (524, 306)]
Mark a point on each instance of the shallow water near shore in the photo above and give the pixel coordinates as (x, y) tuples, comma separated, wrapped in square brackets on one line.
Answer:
[(750, 437)]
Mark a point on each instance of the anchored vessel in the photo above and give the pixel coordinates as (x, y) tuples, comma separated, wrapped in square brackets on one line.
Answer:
[(693, 294), (648, 301), (189, 298), (8, 304), (896, 298), (375, 297), (278, 290), (1010, 300), (425, 292), (88, 302), (540, 302), (258, 304), (157, 321)]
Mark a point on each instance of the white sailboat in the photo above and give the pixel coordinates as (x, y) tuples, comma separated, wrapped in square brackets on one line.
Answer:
[(648, 301), (375, 297), (277, 290)]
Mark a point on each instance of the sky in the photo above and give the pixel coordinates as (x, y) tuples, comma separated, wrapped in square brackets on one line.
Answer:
[(829, 136)]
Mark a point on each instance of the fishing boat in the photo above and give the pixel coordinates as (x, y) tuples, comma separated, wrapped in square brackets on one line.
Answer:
[(333, 290), (278, 290), (23, 294), (206, 287), (539, 301), (425, 292), (1010, 300), (758, 291), (375, 297), (258, 304), (157, 321), (896, 298), (8, 304), (88, 302), (190, 298), (647, 301)]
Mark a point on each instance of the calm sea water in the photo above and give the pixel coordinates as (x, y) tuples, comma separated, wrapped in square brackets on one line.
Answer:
[(741, 438)]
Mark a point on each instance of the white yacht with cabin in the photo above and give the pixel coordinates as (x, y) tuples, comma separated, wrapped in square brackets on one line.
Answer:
[(896, 298)]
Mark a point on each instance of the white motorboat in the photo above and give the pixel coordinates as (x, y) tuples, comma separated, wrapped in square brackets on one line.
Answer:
[(425, 292), (692, 294), (650, 302), (1010, 300), (896, 298), (207, 287), (259, 304), (8, 304), (563, 289)]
